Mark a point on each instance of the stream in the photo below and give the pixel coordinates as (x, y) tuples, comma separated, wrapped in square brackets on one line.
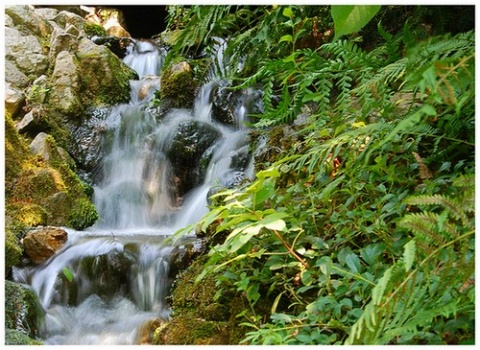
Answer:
[(109, 282)]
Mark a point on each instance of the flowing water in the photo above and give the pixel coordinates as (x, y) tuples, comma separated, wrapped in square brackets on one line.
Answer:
[(109, 282)]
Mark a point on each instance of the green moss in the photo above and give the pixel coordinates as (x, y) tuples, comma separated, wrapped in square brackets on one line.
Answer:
[(22, 310), (92, 29), (178, 86), (28, 214), (200, 314), (14, 337), (13, 250), (83, 214), (189, 329)]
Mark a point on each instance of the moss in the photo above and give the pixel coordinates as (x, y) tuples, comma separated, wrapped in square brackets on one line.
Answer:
[(22, 310), (93, 29), (13, 250), (178, 86), (105, 79), (28, 214), (189, 329), (200, 314), (14, 337), (83, 214)]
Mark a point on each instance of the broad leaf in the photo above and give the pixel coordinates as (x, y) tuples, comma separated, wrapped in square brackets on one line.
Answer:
[(351, 18)]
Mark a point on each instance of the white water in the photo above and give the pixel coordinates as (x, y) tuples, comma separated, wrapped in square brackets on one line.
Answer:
[(120, 266)]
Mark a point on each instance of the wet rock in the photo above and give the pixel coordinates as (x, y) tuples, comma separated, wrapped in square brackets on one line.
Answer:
[(192, 138), (41, 243), (14, 337), (23, 313), (232, 107), (86, 141)]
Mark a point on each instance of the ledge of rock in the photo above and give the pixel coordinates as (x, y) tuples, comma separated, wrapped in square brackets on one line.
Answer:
[(42, 242)]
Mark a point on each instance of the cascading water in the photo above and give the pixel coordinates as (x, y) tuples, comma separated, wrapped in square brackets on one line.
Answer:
[(106, 283)]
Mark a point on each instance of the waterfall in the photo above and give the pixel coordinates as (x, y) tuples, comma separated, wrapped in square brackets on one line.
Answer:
[(107, 282)]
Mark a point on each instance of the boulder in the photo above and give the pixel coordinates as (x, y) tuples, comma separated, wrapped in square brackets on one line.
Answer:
[(14, 99), (47, 13), (191, 139), (178, 86), (105, 78), (41, 243), (65, 85), (26, 52), (14, 76), (42, 146), (62, 41), (22, 310), (28, 21), (64, 18)]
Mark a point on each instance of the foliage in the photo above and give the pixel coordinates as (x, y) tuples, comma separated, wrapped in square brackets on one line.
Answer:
[(353, 231), (83, 214), (351, 18)]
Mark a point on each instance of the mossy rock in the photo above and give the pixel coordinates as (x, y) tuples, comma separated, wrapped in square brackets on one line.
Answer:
[(83, 214), (23, 313), (189, 329), (14, 337), (200, 314), (178, 86), (13, 250)]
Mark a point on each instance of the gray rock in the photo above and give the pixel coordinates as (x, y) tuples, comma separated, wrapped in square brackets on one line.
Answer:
[(26, 20), (26, 51), (62, 41), (14, 76), (65, 83), (64, 18), (48, 13), (14, 99)]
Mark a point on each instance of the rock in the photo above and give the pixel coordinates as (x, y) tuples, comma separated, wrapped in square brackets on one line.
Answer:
[(28, 21), (14, 99), (22, 310), (178, 86), (26, 52), (13, 250), (65, 82), (105, 77), (42, 146), (48, 13), (14, 337), (14, 76), (60, 41), (65, 18), (41, 243), (191, 139)]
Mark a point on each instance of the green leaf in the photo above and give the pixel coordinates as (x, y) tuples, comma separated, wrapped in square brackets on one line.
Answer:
[(68, 273), (287, 38), (353, 262), (287, 12), (351, 18), (409, 255)]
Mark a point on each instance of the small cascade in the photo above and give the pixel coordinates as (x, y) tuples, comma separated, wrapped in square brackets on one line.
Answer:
[(108, 281)]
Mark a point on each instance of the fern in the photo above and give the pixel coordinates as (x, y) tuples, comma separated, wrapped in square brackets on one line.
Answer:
[(410, 302)]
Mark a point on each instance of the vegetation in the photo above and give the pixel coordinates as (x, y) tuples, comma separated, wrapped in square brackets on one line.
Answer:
[(360, 230)]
